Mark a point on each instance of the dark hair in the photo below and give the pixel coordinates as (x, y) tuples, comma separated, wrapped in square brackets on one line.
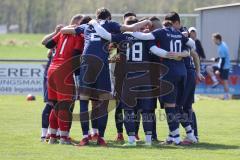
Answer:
[(172, 16), (217, 36), (103, 13), (131, 21), (183, 29), (129, 14), (76, 17), (154, 18), (143, 18), (167, 23), (85, 20)]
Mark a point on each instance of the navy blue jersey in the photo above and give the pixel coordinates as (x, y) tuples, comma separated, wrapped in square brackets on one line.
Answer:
[(136, 50), (174, 41), (95, 45)]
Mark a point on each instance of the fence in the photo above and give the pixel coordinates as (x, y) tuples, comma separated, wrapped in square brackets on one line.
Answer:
[(24, 76)]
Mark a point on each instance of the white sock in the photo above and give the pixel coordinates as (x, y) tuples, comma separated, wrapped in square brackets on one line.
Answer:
[(85, 136), (131, 139), (64, 133), (148, 138), (48, 132), (188, 129), (52, 131), (177, 139), (94, 130), (214, 79), (58, 132), (44, 132), (174, 133)]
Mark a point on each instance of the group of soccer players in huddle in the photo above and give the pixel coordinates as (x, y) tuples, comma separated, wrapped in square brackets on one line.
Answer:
[(152, 61)]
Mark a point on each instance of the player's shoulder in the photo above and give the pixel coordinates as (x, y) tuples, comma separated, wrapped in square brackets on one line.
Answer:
[(110, 22), (160, 31)]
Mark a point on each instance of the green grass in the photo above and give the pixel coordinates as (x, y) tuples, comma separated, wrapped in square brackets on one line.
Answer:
[(21, 121), (22, 46)]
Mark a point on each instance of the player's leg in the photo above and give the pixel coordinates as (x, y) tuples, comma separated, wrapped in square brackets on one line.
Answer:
[(101, 108), (184, 100), (154, 130), (137, 123), (64, 116), (171, 111), (52, 97), (224, 76), (65, 96), (129, 123), (119, 121), (48, 106), (226, 89), (172, 121), (147, 106), (210, 70), (187, 122), (194, 124), (45, 120), (53, 124), (94, 122), (147, 120), (84, 120)]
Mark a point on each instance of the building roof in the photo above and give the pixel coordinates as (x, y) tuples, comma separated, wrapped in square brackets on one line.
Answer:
[(219, 6)]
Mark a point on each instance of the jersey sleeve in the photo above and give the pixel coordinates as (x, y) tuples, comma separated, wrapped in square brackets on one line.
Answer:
[(80, 29), (53, 41), (115, 27), (158, 33), (151, 43), (117, 38)]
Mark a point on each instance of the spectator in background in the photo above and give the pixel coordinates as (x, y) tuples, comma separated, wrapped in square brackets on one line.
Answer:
[(199, 49), (224, 64)]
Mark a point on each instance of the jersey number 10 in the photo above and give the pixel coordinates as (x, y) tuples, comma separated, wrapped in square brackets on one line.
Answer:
[(176, 46)]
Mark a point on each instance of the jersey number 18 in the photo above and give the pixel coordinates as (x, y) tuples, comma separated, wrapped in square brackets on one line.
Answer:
[(137, 50)]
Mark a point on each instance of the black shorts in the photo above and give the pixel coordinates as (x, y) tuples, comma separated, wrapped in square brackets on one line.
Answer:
[(224, 73)]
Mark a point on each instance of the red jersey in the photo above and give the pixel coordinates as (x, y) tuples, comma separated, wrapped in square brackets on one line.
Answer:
[(65, 45)]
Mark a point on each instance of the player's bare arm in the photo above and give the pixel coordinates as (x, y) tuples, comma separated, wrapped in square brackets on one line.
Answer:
[(136, 26), (51, 35), (68, 30), (196, 62)]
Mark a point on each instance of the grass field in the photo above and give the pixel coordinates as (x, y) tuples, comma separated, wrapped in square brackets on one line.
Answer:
[(20, 135), (22, 46), (21, 122)]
